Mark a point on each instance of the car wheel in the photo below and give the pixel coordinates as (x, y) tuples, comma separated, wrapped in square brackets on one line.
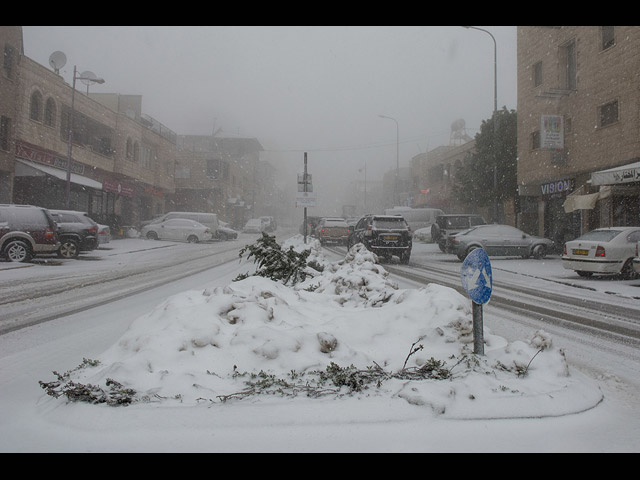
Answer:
[(192, 239), (68, 248), (627, 272), (17, 251), (152, 235), (583, 273), (539, 251)]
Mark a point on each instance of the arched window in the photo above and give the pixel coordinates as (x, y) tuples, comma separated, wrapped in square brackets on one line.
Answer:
[(129, 152), (50, 112), (35, 110)]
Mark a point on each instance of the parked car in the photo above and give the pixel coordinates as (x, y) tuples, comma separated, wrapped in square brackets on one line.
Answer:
[(269, 224), (312, 223), (603, 251), (209, 220), (178, 229), (384, 235), (416, 218), (77, 232), (253, 225), (332, 230), (25, 231), (447, 225), (104, 234), (499, 240), (225, 232)]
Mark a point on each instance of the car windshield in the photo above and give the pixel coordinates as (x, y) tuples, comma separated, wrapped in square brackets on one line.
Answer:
[(600, 235), (335, 223), (390, 223), (457, 222)]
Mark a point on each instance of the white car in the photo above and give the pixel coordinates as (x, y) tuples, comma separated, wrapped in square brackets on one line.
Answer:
[(254, 225), (177, 229), (636, 261), (603, 251), (104, 234)]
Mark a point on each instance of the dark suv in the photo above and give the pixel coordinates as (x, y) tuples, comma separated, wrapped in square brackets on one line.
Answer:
[(384, 235), (25, 231), (447, 225), (77, 232)]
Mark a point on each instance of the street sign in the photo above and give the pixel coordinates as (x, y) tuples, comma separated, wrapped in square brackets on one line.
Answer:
[(476, 276)]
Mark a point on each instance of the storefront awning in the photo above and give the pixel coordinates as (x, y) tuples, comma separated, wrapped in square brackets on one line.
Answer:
[(30, 169), (615, 176)]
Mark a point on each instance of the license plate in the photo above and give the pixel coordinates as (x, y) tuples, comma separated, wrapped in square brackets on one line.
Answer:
[(580, 252), (390, 238)]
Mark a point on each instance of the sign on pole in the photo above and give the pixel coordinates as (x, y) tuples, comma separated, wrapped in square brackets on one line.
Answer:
[(477, 280)]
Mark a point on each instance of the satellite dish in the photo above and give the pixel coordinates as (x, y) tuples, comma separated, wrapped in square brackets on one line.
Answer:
[(57, 60)]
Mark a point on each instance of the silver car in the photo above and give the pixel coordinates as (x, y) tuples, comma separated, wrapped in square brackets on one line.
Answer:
[(499, 240), (177, 229), (603, 251)]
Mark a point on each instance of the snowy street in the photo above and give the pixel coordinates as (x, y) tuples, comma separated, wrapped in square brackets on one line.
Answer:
[(33, 422)]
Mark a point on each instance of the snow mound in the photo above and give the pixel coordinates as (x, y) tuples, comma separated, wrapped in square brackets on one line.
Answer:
[(196, 345)]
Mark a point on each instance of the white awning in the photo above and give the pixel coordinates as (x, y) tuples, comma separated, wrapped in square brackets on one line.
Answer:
[(615, 176), (581, 202), (30, 169)]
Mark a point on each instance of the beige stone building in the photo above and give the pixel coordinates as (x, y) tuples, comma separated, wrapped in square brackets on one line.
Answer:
[(578, 115), (11, 47)]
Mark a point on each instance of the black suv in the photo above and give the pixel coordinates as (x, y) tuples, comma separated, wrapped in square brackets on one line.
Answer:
[(384, 235), (447, 225), (77, 232), (26, 230)]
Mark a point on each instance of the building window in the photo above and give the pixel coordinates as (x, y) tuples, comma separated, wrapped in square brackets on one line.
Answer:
[(535, 140), (608, 113), (608, 37), (213, 168), (147, 156), (537, 74), (5, 132), (35, 109), (569, 63), (9, 60), (50, 112)]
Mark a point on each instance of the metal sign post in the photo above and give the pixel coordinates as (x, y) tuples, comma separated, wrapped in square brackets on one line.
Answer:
[(477, 280)]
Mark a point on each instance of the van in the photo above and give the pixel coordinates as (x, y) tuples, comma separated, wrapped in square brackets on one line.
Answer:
[(416, 217), (209, 220)]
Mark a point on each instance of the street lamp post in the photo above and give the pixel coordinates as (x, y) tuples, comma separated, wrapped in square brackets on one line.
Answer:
[(495, 119), (395, 188), (70, 141)]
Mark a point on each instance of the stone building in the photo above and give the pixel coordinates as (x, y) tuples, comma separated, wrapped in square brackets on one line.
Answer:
[(578, 105), (11, 47)]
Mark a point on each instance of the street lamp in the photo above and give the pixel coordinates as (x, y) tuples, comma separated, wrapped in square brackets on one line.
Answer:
[(70, 141), (495, 119), (395, 188)]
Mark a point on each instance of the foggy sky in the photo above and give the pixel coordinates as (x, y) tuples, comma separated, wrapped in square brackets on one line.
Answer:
[(296, 89)]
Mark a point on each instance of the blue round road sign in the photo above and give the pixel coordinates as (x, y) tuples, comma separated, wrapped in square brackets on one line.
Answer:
[(476, 276)]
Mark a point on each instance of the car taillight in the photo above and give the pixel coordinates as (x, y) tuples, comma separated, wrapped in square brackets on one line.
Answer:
[(564, 249), (600, 251), (49, 233), (93, 229), (322, 230)]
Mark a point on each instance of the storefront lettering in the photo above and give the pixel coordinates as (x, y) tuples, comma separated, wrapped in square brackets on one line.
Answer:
[(38, 156), (557, 187)]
